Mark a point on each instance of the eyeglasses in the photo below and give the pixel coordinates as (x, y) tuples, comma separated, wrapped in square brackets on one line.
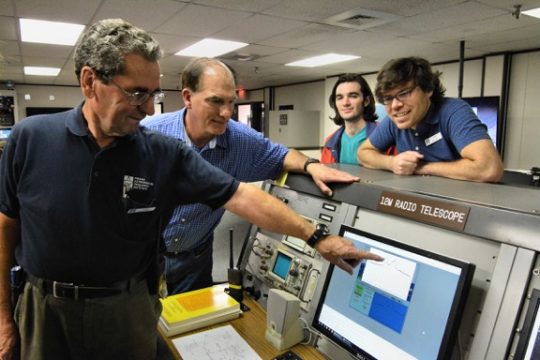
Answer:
[(137, 98), (401, 96)]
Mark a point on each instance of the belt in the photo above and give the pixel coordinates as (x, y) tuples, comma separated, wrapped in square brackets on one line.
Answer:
[(72, 291), (198, 250)]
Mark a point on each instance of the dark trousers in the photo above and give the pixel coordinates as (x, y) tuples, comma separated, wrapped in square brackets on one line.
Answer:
[(190, 270), (116, 327)]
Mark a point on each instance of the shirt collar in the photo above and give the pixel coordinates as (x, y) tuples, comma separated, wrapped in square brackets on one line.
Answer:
[(428, 122), (219, 140), (78, 125)]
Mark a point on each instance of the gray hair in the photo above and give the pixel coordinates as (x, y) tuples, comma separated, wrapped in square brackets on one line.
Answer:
[(104, 45)]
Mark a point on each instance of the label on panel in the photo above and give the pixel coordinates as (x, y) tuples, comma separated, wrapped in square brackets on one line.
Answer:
[(429, 211)]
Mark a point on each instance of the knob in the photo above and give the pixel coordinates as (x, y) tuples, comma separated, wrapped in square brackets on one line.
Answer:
[(293, 272)]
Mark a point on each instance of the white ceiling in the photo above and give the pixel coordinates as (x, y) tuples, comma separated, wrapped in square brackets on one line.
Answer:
[(278, 31)]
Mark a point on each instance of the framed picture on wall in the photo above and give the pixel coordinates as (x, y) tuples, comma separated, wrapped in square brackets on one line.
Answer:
[(528, 347)]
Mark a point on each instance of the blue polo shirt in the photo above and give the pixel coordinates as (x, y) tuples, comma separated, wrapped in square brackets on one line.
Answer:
[(440, 136), (91, 215), (241, 152)]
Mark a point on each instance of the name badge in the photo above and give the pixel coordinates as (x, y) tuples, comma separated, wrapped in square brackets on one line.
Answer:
[(433, 139)]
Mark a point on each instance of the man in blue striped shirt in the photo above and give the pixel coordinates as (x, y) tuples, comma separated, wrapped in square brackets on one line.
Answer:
[(209, 94)]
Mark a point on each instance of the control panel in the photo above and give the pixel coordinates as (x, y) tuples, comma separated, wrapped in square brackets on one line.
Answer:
[(278, 265), (285, 262)]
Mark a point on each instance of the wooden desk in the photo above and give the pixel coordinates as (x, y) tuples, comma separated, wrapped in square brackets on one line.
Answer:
[(251, 325)]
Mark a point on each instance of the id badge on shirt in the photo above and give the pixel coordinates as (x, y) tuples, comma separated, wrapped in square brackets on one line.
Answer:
[(134, 194), (433, 139)]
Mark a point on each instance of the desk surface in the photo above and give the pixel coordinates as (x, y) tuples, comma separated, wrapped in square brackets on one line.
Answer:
[(251, 325)]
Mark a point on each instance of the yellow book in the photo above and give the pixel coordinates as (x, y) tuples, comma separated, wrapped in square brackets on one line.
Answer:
[(195, 309)]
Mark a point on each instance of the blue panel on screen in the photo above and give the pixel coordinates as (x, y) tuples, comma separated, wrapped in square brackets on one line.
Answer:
[(388, 312)]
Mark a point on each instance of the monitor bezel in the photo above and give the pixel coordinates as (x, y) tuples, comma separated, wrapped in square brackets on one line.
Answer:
[(456, 311)]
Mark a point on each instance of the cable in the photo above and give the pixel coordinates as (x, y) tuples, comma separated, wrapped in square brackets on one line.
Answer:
[(263, 248)]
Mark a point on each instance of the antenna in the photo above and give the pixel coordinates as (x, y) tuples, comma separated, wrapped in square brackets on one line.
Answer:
[(234, 275), (231, 245)]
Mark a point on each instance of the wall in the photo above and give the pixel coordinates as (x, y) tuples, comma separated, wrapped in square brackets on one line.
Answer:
[(523, 122), (173, 101), (309, 96), (71, 96), (40, 96)]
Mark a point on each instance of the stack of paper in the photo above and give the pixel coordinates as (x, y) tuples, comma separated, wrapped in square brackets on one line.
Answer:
[(196, 309), (222, 343)]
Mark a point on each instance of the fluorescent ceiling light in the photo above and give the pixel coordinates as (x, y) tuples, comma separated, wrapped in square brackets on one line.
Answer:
[(43, 71), (533, 12), (211, 48), (49, 32), (323, 60)]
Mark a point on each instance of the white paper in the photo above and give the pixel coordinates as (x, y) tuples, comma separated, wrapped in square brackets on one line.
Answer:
[(222, 343)]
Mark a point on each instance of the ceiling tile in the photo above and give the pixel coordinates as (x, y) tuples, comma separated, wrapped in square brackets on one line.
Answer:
[(6, 8), (195, 20), (145, 14), (453, 16), (306, 35), (72, 11), (311, 10), (171, 44), (244, 5), (8, 28), (257, 28), (45, 50), (43, 61), (9, 48)]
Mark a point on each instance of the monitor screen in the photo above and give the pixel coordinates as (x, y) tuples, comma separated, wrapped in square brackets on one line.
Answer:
[(4, 134), (487, 110), (405, 307), (282, 265)]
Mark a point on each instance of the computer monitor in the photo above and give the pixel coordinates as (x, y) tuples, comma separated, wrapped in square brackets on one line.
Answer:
[(405, 307), (487, 110)]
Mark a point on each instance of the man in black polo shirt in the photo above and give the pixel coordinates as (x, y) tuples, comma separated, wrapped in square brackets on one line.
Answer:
[(84, 195)]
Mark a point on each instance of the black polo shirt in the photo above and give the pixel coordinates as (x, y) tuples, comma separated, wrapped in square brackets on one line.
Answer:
[(91, 215)]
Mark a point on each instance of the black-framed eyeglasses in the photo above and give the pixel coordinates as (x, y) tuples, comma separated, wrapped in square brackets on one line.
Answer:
[(137, 97), (400, 96)]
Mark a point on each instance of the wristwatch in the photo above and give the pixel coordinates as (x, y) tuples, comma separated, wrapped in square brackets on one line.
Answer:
[(310, 161), (321, 232)]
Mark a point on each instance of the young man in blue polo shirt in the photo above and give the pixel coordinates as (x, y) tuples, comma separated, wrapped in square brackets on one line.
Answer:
[(433, 135)]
